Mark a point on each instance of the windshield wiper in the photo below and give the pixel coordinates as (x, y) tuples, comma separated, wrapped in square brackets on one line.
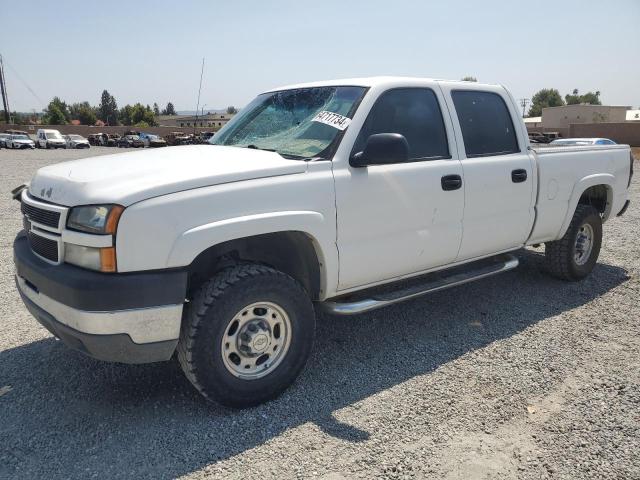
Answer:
[(255, 147)]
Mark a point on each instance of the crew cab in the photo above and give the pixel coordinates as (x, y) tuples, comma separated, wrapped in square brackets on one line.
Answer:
[(345, 195)]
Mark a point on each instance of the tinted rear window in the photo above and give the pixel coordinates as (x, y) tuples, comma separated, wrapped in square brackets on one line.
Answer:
[(487, 128)]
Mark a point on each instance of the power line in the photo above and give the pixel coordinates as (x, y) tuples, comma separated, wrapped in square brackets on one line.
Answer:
[(25, 84)]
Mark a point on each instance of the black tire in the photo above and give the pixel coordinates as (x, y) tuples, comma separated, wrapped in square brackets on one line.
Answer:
[(560, 255), (209, 316)]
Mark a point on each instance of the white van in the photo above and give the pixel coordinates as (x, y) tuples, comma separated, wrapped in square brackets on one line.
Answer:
[(49, 139)]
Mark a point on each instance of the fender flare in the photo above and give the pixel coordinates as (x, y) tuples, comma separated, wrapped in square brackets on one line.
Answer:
[(196, 240), (579, 188)]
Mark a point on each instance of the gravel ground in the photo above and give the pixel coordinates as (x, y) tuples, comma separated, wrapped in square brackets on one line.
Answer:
[(518, 376)]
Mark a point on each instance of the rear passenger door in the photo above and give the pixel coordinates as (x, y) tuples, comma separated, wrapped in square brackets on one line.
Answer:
[(498, 171)]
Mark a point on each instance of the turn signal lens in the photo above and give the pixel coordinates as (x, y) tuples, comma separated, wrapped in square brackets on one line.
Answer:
[(108, 259), (112, 221)]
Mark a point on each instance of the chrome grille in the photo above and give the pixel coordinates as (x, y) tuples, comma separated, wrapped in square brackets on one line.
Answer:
[(44, 247), (44, 222), (39, 215)]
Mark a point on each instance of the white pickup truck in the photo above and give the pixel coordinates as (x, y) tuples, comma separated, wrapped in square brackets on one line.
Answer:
[(348, 195)]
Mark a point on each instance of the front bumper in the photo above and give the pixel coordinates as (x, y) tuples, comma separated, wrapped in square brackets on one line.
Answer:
[(127, 318)]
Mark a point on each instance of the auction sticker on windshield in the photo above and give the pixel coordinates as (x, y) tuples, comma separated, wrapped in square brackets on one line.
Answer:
[(334, 120)]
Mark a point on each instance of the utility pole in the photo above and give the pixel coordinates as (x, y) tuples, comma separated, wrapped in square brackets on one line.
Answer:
[(198, 104), (3, 90), (524, 102)]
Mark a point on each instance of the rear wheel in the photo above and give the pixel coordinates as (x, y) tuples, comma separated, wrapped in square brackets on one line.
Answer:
[(573, 257), (246, 335)]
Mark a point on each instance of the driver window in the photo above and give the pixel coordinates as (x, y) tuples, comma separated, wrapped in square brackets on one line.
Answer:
[(413, 113)]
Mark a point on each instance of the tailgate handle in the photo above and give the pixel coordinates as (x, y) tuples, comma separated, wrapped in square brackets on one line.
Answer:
[(519, 175), (451, 182)]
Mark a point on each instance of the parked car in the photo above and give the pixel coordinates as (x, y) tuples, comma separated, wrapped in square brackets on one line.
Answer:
[(582, 141), (127, 141), (552, 135), (46, 138), (17, 132), (19, 141), (153, 141), (107, 139), (318, 194), (204, 137), (177, 138), (94, 139), (4, 137), (112, 140), (76, 141), (538, 137)]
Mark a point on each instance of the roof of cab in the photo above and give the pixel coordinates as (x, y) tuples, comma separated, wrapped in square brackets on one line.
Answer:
[(369, 82)]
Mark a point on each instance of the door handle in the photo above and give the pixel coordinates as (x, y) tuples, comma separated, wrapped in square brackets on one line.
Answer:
[(519, 175), (451, 182)]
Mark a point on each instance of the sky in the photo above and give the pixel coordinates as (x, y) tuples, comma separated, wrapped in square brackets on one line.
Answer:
[(151, 51)]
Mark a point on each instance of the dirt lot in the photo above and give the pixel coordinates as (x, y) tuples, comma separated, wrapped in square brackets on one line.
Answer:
[(519, 376)]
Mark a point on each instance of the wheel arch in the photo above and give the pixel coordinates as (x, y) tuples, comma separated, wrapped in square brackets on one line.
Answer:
[(595, 190), (295, 253)]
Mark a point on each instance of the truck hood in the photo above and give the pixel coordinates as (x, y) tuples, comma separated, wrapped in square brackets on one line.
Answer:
[(127, 178)]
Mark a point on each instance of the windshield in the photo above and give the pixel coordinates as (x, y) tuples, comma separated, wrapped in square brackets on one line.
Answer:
[(20, 137), (53, 135), (75, 137), (300, 123)]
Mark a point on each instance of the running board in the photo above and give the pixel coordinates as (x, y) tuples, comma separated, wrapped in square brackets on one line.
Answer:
[(382, 296)]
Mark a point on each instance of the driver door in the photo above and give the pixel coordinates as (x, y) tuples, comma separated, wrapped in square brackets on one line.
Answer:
[(401, 218)]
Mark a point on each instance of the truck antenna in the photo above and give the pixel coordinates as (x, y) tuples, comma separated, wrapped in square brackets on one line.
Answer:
[(198, 104)]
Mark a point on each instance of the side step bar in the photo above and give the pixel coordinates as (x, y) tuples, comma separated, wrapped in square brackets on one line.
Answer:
[(429, 283)]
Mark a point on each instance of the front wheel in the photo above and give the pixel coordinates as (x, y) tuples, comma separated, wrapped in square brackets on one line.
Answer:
[(246, 335), (573, 257)]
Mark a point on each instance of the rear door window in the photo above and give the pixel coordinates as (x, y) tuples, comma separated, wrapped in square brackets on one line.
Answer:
[(487, 127)]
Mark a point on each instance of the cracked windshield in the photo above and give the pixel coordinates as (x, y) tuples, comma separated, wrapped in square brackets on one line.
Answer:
[(301, 123)]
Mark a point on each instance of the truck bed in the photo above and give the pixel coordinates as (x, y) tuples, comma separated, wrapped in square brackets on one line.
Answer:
[(564, 172)]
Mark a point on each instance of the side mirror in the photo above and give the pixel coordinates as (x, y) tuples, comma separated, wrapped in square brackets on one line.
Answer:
[(382, 149)]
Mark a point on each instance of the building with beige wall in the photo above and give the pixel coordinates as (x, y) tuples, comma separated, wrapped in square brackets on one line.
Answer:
[(562, 117)]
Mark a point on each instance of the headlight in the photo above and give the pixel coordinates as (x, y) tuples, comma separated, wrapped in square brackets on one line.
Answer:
[(100, 219)]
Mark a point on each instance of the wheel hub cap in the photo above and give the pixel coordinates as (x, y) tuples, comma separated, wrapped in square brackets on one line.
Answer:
[(256, 340), (584, 244)]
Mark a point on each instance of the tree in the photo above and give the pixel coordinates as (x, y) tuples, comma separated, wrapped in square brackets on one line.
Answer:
[(590, 98), (108, 109), (83, 112), (231, 110), (547, 97), (469, 79), (137, 115), (156, 109), (55, 116), (170, 110), (57, 112)]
